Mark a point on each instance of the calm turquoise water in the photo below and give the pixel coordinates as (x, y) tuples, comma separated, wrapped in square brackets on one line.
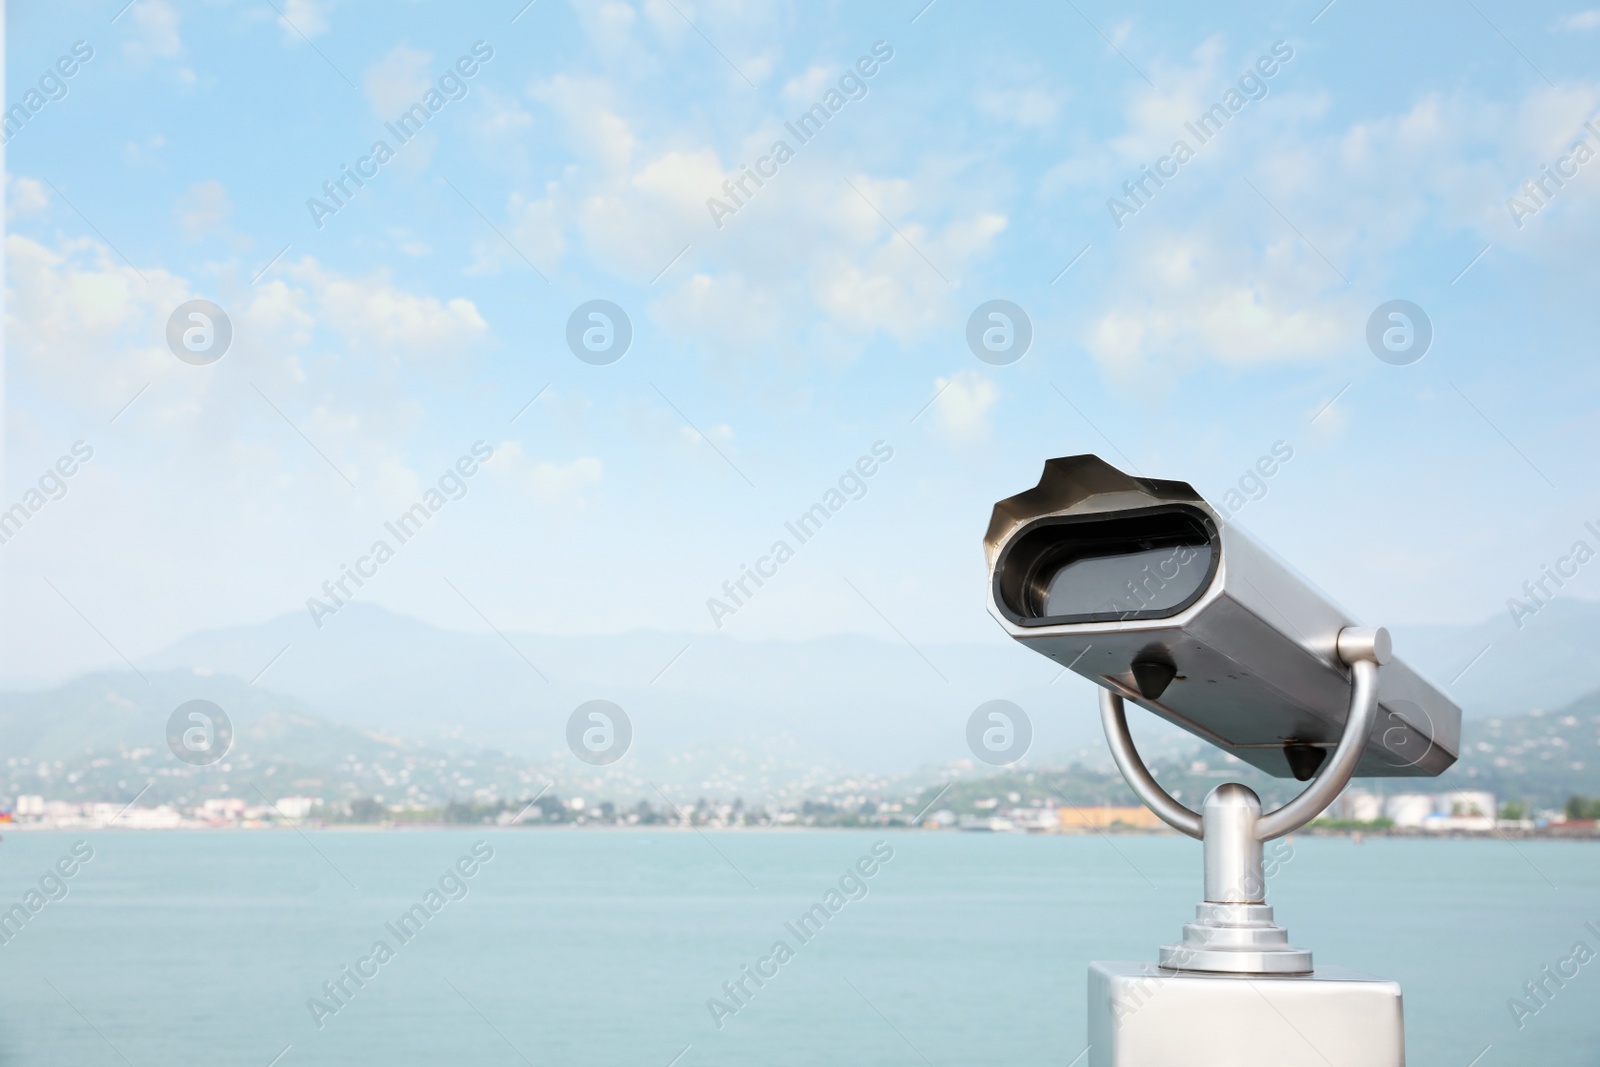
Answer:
[(601, 948)]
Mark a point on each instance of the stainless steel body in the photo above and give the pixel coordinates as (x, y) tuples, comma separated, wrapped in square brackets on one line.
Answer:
[(1143, 1016), (1139, 585)]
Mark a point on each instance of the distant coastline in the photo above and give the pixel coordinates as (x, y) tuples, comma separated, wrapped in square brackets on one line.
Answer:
[(161, 818)]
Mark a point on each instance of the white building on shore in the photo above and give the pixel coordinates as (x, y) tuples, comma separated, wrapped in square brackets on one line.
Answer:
[(1457, 811)]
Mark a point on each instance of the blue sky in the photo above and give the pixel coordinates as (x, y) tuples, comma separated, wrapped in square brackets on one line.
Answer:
[(827, 313)]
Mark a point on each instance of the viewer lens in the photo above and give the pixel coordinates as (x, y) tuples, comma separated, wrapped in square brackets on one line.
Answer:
[(1153, 580), (1146, 564)]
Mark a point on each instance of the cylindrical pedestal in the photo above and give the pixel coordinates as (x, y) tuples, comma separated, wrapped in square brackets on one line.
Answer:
[(1232, 851), (1233, 931)]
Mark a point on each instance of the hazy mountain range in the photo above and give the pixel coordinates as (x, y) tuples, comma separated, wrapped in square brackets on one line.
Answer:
[(1494, 667), (373, 693)]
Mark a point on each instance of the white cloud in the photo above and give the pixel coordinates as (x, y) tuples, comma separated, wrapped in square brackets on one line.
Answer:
[(24, 196), (1154, 117), (1191, 296), (304, 19), (1031, 106), (536, 230), (610, 25), (89, 331), (593, 124), (398, 80), (544, 482), (819, 281), (726, 310), (203, 208), (805, 89), (1583, 20), (639, 219), (805, 271), (155, 32), (372, 315), (200, 458), (83, 326), (136, 154), (505, 115), (738, 29), (963, 405), (1237, 284), (408, 242), (898, 283), (759, 67), (679, 179), (631, 218), (665, 18), (286, 314)]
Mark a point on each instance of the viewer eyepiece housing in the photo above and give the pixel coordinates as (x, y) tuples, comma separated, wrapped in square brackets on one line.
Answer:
[(1140, 586)]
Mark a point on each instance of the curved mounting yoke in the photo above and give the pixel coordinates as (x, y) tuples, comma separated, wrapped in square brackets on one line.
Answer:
[(1234, 931)]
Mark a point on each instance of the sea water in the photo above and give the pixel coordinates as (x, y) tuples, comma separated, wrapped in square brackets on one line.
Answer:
[(658, 948)]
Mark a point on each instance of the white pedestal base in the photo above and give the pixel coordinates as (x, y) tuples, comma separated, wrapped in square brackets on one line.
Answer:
[(1143, 1016)]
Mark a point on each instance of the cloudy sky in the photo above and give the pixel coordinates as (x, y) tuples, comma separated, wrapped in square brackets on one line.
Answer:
[(781, 325)]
